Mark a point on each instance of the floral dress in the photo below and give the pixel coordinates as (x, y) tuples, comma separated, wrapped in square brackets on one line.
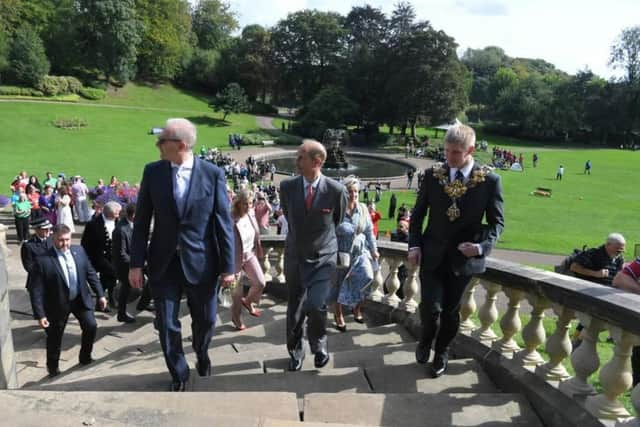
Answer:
[(355, 236)]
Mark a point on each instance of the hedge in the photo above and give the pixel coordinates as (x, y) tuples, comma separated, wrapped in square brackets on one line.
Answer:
[(19, 91), (92, 93)]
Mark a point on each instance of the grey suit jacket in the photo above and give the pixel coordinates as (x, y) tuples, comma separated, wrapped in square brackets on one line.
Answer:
[(441, 237), (312, 235)]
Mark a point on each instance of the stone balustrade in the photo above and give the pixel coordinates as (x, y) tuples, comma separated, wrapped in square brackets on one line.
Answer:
[(546, 294), (8, 373)]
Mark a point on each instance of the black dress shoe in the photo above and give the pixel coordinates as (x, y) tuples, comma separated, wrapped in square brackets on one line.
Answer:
[(422, 353), (86, 361), (204, 370), (146, 307), (440, 363), (126, 318), (321, 359), (53, 372), (178, 386), (295, 364)]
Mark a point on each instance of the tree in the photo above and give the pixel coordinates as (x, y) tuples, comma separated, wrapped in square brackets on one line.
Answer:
[(625, 54), (110, 36), (167, 40), (4, 51), (308, 51), (231, 100), (331, 107), (28, 63), (213, 23)]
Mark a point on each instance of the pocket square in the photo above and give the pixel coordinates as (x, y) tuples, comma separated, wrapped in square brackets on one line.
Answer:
[(325, 210)]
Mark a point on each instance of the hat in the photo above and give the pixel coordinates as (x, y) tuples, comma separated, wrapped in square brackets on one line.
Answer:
[(61, 175), (40, 223)]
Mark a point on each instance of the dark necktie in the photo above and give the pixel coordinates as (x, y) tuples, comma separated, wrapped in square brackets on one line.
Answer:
[(309, 199), (459, 175), (73, 278)]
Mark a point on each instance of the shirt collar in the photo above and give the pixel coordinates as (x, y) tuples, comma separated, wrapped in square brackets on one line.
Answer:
[(187, 164), (466, 170), (60, 253), (107, 220), (314, 183)]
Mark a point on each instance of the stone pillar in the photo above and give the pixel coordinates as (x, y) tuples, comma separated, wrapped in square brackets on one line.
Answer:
[(8, 375)]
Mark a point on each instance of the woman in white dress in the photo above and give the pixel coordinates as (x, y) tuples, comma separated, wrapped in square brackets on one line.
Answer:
[(64, 208)]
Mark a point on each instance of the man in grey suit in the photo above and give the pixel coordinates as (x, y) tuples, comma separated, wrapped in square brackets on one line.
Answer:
[(457, 196), (314, 205), (192, 244)]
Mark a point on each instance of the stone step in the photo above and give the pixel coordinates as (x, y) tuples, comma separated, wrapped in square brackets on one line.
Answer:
[(463, 376), (344, 380), (420, 410), (26, 408)]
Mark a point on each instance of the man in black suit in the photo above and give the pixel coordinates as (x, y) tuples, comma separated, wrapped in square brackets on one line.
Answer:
[(60, 285), (96, 241), (456, 195), (37, 245)]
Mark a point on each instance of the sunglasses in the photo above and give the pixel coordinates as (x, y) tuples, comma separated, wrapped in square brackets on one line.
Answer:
[(161, 141)]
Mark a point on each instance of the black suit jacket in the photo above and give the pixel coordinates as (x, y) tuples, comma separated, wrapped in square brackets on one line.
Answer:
[(49, 291), (440, 239), (29, 251), (97, 243), (121, 247)]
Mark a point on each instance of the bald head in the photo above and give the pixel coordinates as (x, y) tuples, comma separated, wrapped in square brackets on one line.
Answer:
[(311, 157)]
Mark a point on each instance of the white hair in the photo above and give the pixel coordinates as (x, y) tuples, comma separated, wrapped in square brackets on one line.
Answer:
[(181, 129), (110, 208), (351, 181), (616, 238), (460, 134)]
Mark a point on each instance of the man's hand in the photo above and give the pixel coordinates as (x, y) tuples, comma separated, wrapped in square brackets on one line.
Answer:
[(44, 323), (135, 278), (102, 303), (227, 280), (603, 273), (414, 256), (468, 249)]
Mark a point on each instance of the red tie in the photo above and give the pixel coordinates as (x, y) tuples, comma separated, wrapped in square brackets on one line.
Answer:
[(309, 199)]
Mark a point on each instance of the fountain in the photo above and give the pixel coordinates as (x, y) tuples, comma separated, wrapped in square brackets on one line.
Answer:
[(332, 140)]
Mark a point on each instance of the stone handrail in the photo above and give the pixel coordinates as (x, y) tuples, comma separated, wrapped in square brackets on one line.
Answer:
[(8, 373), (566, 298)]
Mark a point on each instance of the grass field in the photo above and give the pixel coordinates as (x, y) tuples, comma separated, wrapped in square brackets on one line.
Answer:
[(583, 209)]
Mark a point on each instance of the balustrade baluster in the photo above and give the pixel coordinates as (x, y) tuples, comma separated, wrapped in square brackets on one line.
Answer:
[(585, 358), (377, 287), (468, 307), (488, 314), (510, 324), (279, 278), (410, 288), (615, 378), (393, 283), (558, 347), (266, 265), (533, 334)]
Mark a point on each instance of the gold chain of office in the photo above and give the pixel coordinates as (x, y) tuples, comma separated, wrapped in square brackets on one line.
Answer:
[(456, 188)]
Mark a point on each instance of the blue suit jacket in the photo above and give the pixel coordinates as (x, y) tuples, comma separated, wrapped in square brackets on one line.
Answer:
[(204, 234), (49, 291)]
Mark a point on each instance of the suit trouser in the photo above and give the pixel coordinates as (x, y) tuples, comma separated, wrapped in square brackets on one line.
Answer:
[(441, 292), (56, 328), (308, 288), (202, 302)]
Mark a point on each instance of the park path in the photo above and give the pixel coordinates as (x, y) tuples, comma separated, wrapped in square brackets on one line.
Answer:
[(265, 122)]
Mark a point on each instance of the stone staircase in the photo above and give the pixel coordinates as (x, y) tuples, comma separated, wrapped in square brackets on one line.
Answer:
[(372, 379)]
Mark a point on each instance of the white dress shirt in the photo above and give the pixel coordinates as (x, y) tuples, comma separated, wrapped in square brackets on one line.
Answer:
[(181, 176)]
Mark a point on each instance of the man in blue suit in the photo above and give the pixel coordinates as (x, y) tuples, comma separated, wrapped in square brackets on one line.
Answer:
[(191, 244), (58, 287)]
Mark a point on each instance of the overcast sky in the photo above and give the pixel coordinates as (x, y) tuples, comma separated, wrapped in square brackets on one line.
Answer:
[(571, 34)]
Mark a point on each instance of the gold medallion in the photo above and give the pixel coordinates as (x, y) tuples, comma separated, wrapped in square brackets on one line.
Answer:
[(453, 212)]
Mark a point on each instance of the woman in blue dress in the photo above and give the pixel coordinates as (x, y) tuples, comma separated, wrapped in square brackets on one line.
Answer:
[(358, 256)]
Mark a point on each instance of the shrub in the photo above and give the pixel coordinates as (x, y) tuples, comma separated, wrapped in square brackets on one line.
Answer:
[(52, 85), (72, 123), (92, 93), (19, 91), (73, 84)]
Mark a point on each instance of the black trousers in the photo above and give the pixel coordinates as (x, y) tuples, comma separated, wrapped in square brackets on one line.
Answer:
[(22, 228), (125, 290), (56, 328), (441, 292)]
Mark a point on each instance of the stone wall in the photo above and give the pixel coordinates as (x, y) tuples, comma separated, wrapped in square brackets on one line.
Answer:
[(8, 377)]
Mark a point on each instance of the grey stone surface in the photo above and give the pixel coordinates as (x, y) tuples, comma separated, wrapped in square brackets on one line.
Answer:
[(463, 376), (346, 380), (420, 410), (8, 372), (148, 409)]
